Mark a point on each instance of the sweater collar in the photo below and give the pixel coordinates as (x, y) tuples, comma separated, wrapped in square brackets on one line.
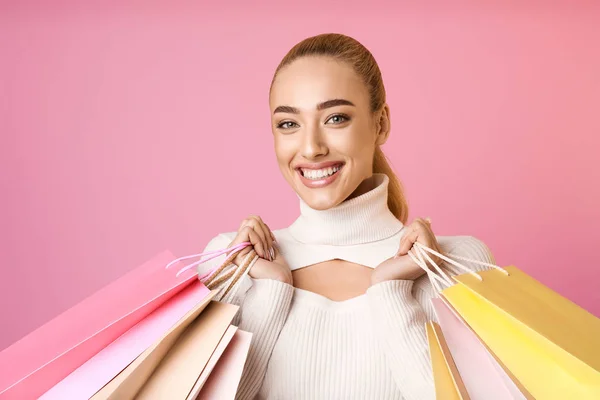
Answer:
[(362, 219)]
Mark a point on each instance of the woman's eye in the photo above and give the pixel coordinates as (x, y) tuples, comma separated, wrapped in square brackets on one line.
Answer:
[(338, 119), (286, 125)]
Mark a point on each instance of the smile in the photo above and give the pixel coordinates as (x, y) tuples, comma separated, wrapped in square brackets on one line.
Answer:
[(316, 174), (319, 177)]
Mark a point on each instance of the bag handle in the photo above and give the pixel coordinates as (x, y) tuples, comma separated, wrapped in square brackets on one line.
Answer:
[(212, 255), (240, 272), (419, 251), (461, 266), (417, 256), (214, 277)]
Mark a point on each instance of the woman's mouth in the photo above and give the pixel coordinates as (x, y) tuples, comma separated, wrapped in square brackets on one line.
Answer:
[(319, 177)]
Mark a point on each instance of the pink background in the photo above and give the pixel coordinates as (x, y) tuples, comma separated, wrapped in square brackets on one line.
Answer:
[(130, 130)]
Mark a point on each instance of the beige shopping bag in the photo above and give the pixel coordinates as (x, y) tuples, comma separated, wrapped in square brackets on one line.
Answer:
[(177, 373), (127, 383)]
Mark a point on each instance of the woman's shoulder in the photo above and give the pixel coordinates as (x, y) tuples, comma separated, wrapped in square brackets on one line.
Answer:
[(220, 241), (467, 247)]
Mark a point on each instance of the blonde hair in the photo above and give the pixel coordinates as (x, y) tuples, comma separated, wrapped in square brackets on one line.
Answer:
[(352, 52)]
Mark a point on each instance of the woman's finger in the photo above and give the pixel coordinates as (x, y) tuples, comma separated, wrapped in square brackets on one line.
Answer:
[(268, 239), (263, 231), (407, 243), (268, 229), (257, 242), (255, 224), (428, 239), (273, 241)]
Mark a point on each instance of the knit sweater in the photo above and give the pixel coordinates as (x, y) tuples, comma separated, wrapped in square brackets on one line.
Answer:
[(374, 346)]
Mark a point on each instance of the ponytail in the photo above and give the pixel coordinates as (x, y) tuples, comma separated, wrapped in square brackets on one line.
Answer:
[(397, 202)]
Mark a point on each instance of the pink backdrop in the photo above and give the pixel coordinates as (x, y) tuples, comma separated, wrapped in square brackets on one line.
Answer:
[(125, 131)]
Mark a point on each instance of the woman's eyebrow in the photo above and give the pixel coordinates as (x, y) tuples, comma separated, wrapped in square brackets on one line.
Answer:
[(320, 106)]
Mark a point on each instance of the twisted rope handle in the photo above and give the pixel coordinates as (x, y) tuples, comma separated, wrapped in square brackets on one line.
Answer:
[(215, 277), (419, 251), (242, 270), (208, 278)]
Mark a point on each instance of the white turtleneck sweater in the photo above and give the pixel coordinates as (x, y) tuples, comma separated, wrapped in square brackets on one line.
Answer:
[(374, 346)]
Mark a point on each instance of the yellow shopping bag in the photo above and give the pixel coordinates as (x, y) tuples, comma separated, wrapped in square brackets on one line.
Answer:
[(448, 383), (548, 343)]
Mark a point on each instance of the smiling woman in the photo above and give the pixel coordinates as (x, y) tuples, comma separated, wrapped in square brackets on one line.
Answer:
[(324, 117), (336, 306)]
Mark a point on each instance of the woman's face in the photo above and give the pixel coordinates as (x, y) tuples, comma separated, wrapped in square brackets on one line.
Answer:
[(325, 134)]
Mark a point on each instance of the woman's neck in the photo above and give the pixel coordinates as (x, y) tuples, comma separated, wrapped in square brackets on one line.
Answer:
[(365, 186), (362, 218)]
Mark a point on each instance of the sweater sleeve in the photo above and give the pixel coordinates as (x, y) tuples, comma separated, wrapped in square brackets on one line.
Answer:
[(400, 310), (264, 306)]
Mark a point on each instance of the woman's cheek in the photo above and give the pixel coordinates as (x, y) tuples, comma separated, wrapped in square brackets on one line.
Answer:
[(357, 147), (285, 151)]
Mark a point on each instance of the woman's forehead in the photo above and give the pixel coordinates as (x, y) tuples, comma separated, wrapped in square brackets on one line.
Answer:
[(310, 81)]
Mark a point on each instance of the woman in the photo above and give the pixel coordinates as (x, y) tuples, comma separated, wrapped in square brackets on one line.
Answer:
[(336, 305)]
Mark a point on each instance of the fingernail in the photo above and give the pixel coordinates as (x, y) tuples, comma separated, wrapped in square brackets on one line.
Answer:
[(272, 254)]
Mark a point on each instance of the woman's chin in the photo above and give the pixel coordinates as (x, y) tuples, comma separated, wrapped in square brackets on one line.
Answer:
[(321, 199)]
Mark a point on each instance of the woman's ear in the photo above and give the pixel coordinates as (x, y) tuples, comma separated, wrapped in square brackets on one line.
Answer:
[(383, 125)]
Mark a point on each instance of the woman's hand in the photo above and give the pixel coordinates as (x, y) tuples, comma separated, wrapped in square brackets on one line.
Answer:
[(401, 266), (270, 264)]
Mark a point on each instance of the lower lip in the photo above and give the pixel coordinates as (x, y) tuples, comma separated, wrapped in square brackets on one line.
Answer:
[(319, 183)]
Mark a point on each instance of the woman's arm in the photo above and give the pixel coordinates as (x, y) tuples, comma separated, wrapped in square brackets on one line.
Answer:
[(400, 310), (399, 325), (264, 306)]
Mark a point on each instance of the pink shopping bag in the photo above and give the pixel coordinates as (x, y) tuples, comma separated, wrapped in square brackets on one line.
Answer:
[(40, 360), (95, 373), (482, 375), (224, 380)]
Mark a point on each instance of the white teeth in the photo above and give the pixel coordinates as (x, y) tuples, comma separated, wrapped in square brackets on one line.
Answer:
[(319, 173)]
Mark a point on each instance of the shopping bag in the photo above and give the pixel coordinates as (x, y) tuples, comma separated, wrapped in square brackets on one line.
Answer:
[(482, 375), (43, 358), (171, 367), (182, 366), (448, 382), (212, 361), (223, 381), (95, 373), (221, 281), (179, 369), (129, 381), (47, 356), (549, 344), (105, 365)]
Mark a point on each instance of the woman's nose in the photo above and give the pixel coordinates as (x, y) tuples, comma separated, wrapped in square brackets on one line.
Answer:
[(313, 144)]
